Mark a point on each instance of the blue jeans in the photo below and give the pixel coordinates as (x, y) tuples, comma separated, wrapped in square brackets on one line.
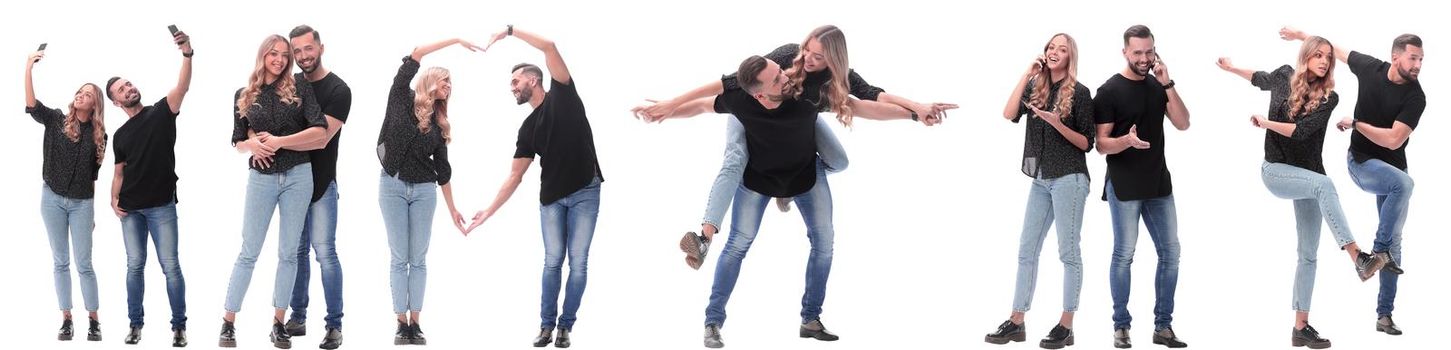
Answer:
[(1163, 224), (815, 207), (69, 223), (1315, 197), (320, 233), (1049, 199), (1392, 188), (408, 216), (289, 193), (568, 226), (734, 165), (160, 224)]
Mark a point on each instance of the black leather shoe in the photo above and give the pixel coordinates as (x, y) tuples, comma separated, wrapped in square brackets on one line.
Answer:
[(228, 338), (562, 340), (94, 333), (1166, 337), (1367, 264), (295, 328), (1008, 331), (279, 337), (67, 330), (134, 336), (1308, 337), (178, 338), (332, 340), (1386, 325), (816, 330), (544, 338), (418, 338), (1121, 339), (1057, 338), (404, 335), (1391, 265)]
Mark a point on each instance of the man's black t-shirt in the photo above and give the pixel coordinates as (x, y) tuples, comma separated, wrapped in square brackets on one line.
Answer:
[(781, 141), (146, 143), (1136, 174)]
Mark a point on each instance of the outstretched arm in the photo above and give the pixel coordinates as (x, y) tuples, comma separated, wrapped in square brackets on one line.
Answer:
[(662, 109), (29, 87), (689, 109), (183, 80), (1292, 34), (424, 50), (511, 184), (1227, 65), (552, 59)]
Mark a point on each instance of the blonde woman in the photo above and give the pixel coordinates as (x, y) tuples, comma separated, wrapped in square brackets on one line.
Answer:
[(1059, 131), (74, 146), (413, 149), (283, 113), (1301, 100)]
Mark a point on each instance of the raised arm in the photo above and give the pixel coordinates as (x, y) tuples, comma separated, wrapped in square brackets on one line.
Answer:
[(1227, 65), (183, 80), (517, 168), (29, 87), (1293, 34), (424, 50), (557, 69), (1176, 111)]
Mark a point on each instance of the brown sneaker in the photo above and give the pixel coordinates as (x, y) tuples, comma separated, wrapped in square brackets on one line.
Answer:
[(784, 204), (695, 247)]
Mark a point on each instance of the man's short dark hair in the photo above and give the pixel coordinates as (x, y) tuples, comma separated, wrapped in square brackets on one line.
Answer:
[(110, 82), (748, 74), (1399, 45), (529, 69), (1137, 31), (304, 30)]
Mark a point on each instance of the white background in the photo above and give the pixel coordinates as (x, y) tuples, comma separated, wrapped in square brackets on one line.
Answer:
[(927, 219)]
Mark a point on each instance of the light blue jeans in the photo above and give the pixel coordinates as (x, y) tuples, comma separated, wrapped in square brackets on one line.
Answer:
[(289, 193), (828, 148), (816, 210), (568, 227), (69, 223), (1052, 201), (408, 216), (1315, 198)]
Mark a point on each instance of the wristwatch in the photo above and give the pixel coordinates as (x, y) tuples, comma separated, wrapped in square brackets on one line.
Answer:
[(509, 31), (914, 114), (1170, 85)]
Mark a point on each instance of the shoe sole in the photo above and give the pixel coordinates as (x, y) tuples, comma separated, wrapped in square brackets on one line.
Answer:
[(401, 341), (64, 337), (1047, 345), (1016, 337), (715, 346), (1124, 346), (1165, 342), (1301, 343), (1387, 330), (227, 343), (815, 336), (282, 345), (690, 244), (544, 344), (561, 345), (93, 338), (324, 345), (418, 342)]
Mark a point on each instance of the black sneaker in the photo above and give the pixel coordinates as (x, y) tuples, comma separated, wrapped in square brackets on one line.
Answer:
[(67, 330), (816, 330), (295, 328), (1121, 339), (1367, 264), (1387, 326), (134, 336), (279, 337), (404, 335), (228, 338), (178, 338), (1391, 265), (695, 247), (544, 337), (1057, 338), (562, 340), (1166, 337), (332, 340), (1008, 331), (1308, 337), (94, 333), (418, 338), (712, 337)]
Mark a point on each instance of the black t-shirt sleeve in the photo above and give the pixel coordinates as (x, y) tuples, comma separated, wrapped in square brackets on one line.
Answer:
[(1082, 114), (1308, 124), (1266, 81), (47, 116), (721, 105), (524, 147), (1103, 111), (239, 124), (559, 87), (860, 88), (1362, 64), (311, 112), (164, 107), (119, 150), (1411, 114), (341, 103)]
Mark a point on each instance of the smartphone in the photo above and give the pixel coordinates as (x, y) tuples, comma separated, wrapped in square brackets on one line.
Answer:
[(173, 29), (42, 47), (1155, 63)]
